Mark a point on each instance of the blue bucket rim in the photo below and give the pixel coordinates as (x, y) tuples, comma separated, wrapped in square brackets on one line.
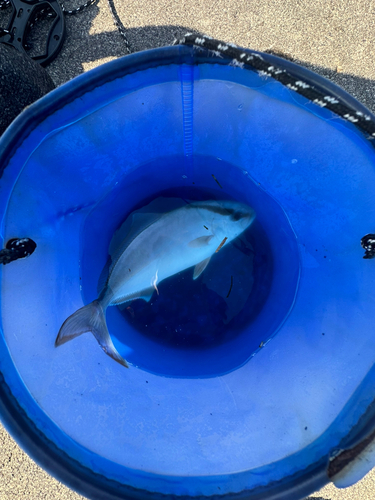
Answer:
[(34, 114), (15, 419)]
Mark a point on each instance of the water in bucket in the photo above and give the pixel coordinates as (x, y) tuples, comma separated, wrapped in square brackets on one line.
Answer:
[(186, 315)]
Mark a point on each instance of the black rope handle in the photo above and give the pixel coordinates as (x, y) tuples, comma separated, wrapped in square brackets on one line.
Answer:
[(17, 248), (368, 243), (246, 58)]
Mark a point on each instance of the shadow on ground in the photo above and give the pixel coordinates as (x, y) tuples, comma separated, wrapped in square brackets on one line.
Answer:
[(84, 48)]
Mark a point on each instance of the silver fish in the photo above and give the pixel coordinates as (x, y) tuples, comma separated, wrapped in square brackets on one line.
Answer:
[(166, 244)]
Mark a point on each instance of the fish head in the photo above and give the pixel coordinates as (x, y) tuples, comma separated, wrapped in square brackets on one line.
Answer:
[(238, 218), (226, 219)]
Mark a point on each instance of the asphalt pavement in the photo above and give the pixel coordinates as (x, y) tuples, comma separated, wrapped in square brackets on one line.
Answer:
[(335, 38)]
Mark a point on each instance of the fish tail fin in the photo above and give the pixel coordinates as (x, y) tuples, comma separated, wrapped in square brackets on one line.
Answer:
[(90, 318)]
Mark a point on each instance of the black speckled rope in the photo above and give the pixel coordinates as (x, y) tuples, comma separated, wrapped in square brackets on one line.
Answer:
[(242, 58), (245, 58)]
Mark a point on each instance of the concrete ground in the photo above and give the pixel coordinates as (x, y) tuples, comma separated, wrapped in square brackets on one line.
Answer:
[(335, 38)]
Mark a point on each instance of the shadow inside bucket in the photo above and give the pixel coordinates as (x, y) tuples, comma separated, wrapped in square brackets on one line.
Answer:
[(214, 324)]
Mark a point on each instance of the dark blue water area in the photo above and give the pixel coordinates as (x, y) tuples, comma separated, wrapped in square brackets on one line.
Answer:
[(214, 324), (201, 313)]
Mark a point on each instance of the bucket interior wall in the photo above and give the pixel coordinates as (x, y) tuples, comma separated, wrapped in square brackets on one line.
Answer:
[(267, 394)]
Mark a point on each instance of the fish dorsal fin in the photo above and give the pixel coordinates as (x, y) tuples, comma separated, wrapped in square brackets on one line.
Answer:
[(128, 231), (201, 241), (103, 278), (199, 268), (138, 222), (145, 294)]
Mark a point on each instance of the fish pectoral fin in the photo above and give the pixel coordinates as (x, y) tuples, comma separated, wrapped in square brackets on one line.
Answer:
[(201, 241), (199, 268), (145, 294)]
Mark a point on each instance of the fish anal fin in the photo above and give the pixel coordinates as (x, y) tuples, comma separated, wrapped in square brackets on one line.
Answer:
[(139, 221), (145, 294), (199, 268), (201, 241)]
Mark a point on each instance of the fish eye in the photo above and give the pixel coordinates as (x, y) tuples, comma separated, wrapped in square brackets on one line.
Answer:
[(238, 215)]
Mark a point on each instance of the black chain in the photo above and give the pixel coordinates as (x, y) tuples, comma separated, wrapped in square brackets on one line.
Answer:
[(78, 9), (47, 13), (6, 3), (119, 25)]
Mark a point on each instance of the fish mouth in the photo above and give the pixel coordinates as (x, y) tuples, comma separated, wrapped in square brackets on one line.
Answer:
[(250, 216), (248, 219)]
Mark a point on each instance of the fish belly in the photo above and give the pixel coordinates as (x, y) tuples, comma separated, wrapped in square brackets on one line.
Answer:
[(126, 287), (159, 252)]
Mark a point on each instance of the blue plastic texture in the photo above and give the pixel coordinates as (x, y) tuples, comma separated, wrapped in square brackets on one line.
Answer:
[(259, 416)]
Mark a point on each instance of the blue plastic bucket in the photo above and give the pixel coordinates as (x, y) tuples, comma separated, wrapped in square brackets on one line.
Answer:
[(265, 408)]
